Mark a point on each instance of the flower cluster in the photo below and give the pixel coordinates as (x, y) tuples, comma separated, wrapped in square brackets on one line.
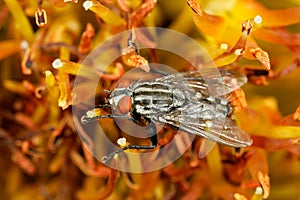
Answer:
[(43, 44)]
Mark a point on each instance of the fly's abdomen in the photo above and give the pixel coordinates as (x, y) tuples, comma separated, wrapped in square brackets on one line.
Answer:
[(152, 98)]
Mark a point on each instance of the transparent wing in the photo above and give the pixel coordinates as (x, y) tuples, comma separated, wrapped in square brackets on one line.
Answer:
[(215, 81), (221, 130)]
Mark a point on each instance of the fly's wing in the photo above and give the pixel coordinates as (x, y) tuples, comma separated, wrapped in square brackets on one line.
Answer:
[(226, 131), (221, 130), (210, 81)]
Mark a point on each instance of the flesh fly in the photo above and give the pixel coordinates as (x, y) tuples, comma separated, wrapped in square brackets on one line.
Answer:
[(183, 101)]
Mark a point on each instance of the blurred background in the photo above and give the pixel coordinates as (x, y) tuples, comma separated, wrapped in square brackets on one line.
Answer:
[(42, 156)]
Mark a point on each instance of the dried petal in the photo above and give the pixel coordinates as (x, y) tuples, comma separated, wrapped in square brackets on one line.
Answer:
[(258, 164), (131, 58), (238, 100), (264, 180), (296, 115), (141, 12), (86, 39)]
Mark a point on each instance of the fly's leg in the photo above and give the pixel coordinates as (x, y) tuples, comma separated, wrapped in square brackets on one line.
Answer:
[(102, 106), (96, 113), (153, 139), (87, 119), (152, 135)]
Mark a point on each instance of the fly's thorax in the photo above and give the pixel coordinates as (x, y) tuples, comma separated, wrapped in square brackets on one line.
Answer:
[(179, 97), (152, 98)]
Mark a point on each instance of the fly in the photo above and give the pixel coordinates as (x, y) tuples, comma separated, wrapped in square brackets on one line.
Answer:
[(184, 101)]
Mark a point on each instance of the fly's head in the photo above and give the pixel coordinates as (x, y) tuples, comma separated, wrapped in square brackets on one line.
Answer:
[(120, 100)]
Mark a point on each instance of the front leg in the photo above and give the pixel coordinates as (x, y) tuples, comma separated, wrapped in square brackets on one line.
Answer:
[(96, 113), (86, 119), (153, 139)]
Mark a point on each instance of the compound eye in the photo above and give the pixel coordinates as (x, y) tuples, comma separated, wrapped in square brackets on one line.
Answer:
[(125, 105)]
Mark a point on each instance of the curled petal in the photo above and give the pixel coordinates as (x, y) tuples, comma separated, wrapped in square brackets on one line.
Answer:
[(209, 24), (275, 144), (271, 18), (261, 56), (101, 172), (228, 58), (122, 5), (277, 36), (258, 166), (258, 163), (95, 193), (115, 74)]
